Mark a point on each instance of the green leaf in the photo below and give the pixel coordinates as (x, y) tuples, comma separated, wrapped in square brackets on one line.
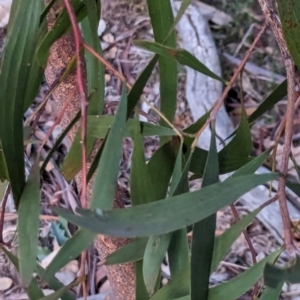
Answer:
[(204, 232), (28, 224), (140, 83), (271, 294), (22, 37), (234, 288), (130, 253), (72, 163), (232, 156), (224, 242), (137, 89), (274, 276), (53, 282), (70, 250), (3, 167), (156, 218), (289, 12), (95, 69), (141, 189), (161, 16), (182, 56), (295, 187), (241, 144), (98, 126), (279, 92), (154, 254), (61, 26), (178, 252), (57, 294), (160, 168), (106, 176), (140, 288), (178, 286), (253, 165)]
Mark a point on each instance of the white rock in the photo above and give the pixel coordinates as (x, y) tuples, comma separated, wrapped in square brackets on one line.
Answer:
[(5, 6), (5, 283), (101, 27)]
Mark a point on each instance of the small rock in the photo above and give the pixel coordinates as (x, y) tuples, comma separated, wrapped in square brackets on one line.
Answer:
[(101, 27), (111, 54), (5, 283), (108, 38)]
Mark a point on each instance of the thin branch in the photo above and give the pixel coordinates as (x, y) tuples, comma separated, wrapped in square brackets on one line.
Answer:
[(220, 101), (83, 98), (122, 78), (274, 23)]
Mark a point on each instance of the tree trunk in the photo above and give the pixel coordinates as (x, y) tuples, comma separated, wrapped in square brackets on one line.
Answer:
[(121, 277)]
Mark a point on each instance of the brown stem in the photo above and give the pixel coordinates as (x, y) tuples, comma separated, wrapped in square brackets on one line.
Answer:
[(273, 21), (220, 101), (83, 99)]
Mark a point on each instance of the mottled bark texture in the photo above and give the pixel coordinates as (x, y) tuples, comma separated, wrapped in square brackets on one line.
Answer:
[(121, 277)]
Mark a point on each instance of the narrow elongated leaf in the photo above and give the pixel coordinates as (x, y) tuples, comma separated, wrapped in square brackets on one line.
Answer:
[(178, 286), (224, 242), (294, 186), (177, 171), (241, 144), (28, 224), (140, 83), (3, 167), (129, 253), (98, 126), (271, 294), (234, 288), (61, 26), (23, 32), (53, 282), (95, 69), (279, 92), (289, 12), (154, 254), (57, 294), (141, 189), (253, 165), (204, 232), (34, 291), (156, 217), (107, 172), (69, 251), (72, 163), (274, 276), (178, 252), (161, 16), (161, 167), (140, 288), (232, 156), (137, 89), (182, 56)]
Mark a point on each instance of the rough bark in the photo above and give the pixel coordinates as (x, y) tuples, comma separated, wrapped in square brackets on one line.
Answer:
[(121, 277)]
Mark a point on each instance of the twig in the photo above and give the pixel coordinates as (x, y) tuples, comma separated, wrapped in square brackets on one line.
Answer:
[(84, 104), (249, 242), (122, 78), (83, 99), (273, 21), (219, 102)]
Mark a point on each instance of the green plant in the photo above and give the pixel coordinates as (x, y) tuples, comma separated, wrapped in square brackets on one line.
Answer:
[(162, 205)]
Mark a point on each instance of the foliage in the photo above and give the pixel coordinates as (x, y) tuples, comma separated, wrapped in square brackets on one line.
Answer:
[(162, 204)]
